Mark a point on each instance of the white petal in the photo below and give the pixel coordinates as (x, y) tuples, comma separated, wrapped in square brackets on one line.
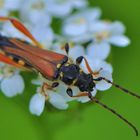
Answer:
[(99, 26), (59, 9), (12, 86), (91, 14), (37, 104), (57, 101), (78, 23), (76, 51), (98, 50), (120, 40), (81, 38), (10, 5), (86, 99), (75, 29), (34, 11), (80, 3), (103, 85), (36, 16), (117, 28)]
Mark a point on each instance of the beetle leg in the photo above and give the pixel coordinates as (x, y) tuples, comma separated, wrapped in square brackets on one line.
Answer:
[(50, 87), (69, 92), (55, 84), (18, 25), (97, 72), (90, 70)]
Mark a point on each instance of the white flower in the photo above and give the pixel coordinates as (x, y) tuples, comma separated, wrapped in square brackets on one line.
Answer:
[(101, 69), (54, 97), (62, 8), (76, 27), (11, 83), (103, 34), (37, 104), (35, 12)]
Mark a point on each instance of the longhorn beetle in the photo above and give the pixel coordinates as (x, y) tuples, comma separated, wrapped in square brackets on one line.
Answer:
[(53, 66)]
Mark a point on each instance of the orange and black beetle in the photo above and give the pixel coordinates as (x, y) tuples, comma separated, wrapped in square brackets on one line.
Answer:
[(53, 66)]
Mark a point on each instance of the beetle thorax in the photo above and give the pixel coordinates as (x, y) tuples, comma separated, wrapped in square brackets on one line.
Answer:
[(72, 74)]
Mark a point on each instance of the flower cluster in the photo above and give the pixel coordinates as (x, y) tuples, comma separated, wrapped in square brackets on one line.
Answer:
[(81, 26)]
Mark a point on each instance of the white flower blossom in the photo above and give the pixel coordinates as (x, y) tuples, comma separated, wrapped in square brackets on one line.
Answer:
[(11, 82), (54, 97), (76, 27), (62, 8), (35, 12), (103, 35)]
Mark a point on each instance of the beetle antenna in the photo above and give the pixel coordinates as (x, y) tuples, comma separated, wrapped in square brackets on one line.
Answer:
[(119, 87), (67, 48), (115, 113)]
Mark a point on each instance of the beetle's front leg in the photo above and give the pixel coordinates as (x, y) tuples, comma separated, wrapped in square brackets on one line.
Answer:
[(46, 86)]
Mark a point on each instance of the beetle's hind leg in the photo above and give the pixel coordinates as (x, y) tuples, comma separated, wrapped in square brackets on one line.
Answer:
[(81, 94), (46, 86)]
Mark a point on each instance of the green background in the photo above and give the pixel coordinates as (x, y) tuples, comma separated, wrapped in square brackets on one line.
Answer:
[(86, 121)]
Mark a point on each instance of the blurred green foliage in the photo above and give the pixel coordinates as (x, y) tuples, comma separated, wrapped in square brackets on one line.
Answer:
[(85, 121)]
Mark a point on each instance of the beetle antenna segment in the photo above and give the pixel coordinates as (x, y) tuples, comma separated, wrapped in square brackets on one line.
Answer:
[(79, 60), (67, 48), (18, 25), (115, 113), (119, 87)]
